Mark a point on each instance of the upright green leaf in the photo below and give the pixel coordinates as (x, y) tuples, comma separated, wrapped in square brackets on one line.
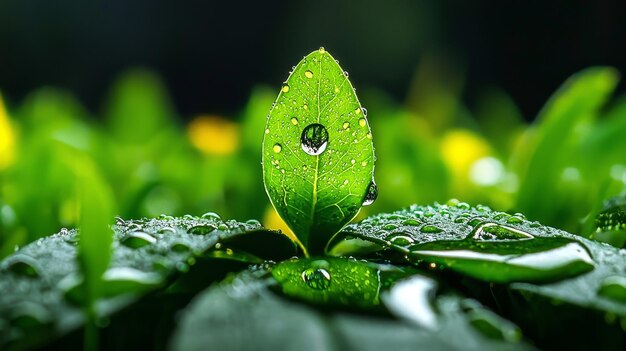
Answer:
[(318, 157), (552, 148)]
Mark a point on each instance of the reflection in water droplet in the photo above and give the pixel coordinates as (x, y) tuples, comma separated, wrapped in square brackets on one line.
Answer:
[(316, 278), (412, 222), (22, 265), (201, 229), (212, 216), (429, 228), (411, 299), (277, 148), (614, 288), (494, 231), (399, 239), (493, 326), (371, 194), (136, 240), (314, 139), (308, 74), (285, 88), (503, 261), (294, 121), (514, 220), (362, 122)]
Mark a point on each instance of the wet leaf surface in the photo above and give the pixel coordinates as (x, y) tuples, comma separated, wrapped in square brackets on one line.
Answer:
[(318, 157)]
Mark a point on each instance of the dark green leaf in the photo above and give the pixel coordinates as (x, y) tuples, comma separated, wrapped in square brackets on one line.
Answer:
[(318, 158), (244, 314), (40, 283)]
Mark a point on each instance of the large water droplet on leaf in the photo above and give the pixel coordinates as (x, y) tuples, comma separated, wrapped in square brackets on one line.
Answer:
[(136, 240), (316, 278), (314, 139), (201, 229), (411, 299), (371, 194), (614, 288), (539, 259), (22, 265), (494, 231)]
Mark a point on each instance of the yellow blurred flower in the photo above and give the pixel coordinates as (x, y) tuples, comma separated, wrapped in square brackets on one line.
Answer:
[(213, 135), (271, 220), (460, 149), (7, 139)]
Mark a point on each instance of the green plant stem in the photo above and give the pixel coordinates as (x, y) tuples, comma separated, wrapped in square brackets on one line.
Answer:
[(90, 342)]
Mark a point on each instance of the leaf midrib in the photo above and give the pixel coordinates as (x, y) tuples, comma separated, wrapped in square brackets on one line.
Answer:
[(317, 157)]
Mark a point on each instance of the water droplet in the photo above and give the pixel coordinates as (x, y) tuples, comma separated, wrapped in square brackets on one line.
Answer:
[(322, 50), (305, 106), (364, 163), (614, 288), (277, 148), (411, 299), (314, 139), (368, 135), (316, 278), (308, 74), (514, 220), (336, 90), (267, 131), (494, 231), (166, 230), (212, 216), (362, 122), (346, 74), (285, 88), (22, 265), (352, 161), (253, 222), (371, 194), (346, 125), (540, 259), (364, 111), (294, 121), (136, 240), (357, 111), (429, 228), (179, 247), (412, 222), (400, 239), (201, 229), (494, 327)]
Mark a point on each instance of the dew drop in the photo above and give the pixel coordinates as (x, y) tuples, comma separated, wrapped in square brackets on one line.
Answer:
[(369, 135), (362, 122), (314, 139), (267, 131), (400, 239), (285, 88), (22, 265), (352, 161), (346, 125), (364, 163), (358, 111), (429, 228), (371, 194), (316, 278), (201, 229), (514, 220), (494, 231), (364, 111), (308, 74), (277, 148), (411, 222), (336, 90), (322, 50), (136, 240), (614, 288), (212, 216), (294, 121)]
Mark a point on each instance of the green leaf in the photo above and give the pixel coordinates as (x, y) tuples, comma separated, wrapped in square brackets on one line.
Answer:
[(318, 157), (572, 275), (41, 283), (243, 311), (552, 147)]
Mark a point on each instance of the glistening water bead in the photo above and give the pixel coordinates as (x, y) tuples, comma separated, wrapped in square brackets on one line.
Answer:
[(314, 139), (316, 278), (372, 194)]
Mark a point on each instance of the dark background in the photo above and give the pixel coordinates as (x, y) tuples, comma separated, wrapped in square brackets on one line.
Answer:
[(211, 54)]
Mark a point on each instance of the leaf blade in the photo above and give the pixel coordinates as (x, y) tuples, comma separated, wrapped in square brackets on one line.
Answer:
[(318, 158)]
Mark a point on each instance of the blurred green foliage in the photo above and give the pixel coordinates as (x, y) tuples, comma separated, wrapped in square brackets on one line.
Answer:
[(556, 170)]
